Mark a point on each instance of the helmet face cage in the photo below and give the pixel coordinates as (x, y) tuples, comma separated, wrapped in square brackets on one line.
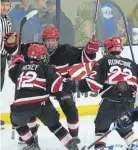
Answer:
[(51, 46), (50, 37), (45, 58), (105, 51)]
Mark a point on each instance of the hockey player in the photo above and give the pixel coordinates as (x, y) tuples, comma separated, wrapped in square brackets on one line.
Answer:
[(124, 124), (11, 40), (35, 80), (63, 57), (116, 78), (126, 120)]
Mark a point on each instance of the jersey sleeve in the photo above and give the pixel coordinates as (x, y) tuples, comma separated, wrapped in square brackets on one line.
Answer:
[(78, 55), (14, 72), (87, 58), (73, 54), (54, 80), (95, 80), (14, 50)]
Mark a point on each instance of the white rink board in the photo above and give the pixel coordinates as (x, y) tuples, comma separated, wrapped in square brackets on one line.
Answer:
[(7, 95)]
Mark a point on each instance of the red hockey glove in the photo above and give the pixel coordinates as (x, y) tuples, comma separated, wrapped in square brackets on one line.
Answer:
[(15, 59), (92, 46), (11, 39)]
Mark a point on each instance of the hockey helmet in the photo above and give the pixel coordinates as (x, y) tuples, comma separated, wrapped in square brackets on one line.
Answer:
[(38, 52), (50, 33), (113, 44), (50, 37)]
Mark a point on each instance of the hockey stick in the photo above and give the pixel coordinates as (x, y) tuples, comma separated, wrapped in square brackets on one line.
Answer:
[(126, 26), (95, 19), (90, 146), (27, 17), (13, 133)]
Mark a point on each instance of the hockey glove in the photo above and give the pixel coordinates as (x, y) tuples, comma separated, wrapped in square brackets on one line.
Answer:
[(70, 85), (15, 59), (11, 42), (125, 122), (92, 46)]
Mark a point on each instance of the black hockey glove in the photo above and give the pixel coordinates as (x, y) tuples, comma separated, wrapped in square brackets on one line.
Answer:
[(70, 85), (125, 122)]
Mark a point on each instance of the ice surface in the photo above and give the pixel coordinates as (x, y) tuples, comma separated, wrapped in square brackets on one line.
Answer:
[(48, 141)]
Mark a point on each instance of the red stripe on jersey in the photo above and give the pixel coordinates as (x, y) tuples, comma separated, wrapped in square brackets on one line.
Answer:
[(79, 76), (133, 79), (26, 132), (63, 69), (93, 85), (57, 85), (79, 71), (74, 68), (120, 77), (40, 83), (89, 66), (85, 58), (16, 103)]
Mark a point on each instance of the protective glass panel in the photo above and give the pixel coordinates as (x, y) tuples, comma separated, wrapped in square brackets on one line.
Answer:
[(33, 28), (75, 19), (110, 21)]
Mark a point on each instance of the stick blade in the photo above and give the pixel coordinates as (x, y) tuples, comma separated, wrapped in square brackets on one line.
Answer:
[(84, 148), (31, 14)]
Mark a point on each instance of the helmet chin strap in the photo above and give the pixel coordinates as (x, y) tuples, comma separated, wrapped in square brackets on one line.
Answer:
[(51, 51)]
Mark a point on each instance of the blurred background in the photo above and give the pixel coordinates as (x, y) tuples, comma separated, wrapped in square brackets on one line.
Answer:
[(74, 19)]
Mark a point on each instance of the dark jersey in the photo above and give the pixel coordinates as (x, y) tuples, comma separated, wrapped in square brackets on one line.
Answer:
[(112, 76), (64, 57), (34, 83)]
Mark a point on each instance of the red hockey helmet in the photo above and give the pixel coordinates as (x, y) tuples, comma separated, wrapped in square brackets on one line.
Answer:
[(113, 44), (38, 52), (50, 33)]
